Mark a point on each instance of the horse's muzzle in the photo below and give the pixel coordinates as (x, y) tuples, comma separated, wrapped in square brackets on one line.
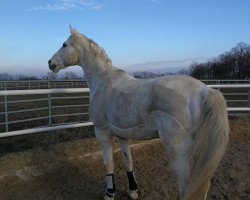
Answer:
[(52, 67)]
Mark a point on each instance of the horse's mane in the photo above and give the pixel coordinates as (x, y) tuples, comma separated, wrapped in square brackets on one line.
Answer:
[(97, 50)]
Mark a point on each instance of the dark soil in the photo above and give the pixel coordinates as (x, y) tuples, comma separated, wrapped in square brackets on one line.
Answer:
[(72, 168)]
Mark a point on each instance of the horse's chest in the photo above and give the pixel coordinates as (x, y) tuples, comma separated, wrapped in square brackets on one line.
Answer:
[(97, 110)]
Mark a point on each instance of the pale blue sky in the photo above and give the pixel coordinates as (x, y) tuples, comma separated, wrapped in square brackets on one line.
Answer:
[(131, 31)]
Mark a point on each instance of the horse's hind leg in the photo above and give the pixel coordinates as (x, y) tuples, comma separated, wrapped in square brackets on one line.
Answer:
[(177, 143), (104, 139), (128, 164)]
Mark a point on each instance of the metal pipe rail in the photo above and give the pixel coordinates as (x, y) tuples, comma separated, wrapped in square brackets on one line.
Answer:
[(44, 129), (39, 84), (219, 81), (236, 86), (230, 86), (49, 107), (48, 92), (43, 91)]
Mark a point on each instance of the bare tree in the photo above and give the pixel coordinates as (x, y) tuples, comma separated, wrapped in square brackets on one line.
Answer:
[(51, 75), (70, 75), (6, 77), (234, 64)]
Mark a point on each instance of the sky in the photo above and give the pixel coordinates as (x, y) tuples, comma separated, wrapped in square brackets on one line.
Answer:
[(136, 34)]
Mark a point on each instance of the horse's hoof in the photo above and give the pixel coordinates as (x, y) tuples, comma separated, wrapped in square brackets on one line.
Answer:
[(132, 194)]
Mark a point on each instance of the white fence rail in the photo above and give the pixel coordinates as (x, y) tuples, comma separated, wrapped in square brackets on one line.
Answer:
[(79, 83), (225, 82), (230, 86), (48, 92), (49, 107), (42, 84), (43, 91)]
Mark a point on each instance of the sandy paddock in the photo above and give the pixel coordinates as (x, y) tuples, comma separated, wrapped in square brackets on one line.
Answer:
[(74, 170)]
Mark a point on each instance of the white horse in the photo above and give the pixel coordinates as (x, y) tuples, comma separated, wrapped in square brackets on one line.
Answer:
[(189, 117)]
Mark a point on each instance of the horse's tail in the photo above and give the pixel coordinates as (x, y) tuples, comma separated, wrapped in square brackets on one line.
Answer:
[(210, 142)]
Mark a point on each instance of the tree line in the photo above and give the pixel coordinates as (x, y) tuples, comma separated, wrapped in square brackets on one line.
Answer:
[(146, 74), (49, 75), (234, 64)]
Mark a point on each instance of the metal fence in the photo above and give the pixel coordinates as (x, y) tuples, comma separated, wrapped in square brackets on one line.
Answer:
[(225, 82), (48, 92), (79, 83), (48, 108), (42, 84)]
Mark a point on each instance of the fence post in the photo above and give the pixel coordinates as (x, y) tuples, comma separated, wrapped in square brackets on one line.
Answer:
[(6, 110), (49, 108), (249, 96), (49, 102)]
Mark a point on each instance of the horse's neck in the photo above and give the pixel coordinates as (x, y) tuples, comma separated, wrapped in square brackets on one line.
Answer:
[(98, 74), (97, 67)]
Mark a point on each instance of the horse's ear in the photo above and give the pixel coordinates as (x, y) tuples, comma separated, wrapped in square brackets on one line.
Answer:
[(74, 34), (73, 31)]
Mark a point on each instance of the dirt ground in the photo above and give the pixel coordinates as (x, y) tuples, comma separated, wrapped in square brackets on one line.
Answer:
[(74, 170)]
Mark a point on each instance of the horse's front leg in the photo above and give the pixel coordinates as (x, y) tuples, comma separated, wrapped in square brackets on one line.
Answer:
[(104, 139), (128, 164)]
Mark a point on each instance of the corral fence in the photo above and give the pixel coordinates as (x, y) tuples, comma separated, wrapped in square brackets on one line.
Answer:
[(78, 98), (225, 82), (42, 84), (16, 110), (81, 83)]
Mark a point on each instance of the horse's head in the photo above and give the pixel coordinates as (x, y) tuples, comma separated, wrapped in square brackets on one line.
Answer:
[(80, 50), (67, 55)]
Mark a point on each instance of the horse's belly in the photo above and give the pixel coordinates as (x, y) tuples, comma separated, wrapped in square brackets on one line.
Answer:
[(140, 132)]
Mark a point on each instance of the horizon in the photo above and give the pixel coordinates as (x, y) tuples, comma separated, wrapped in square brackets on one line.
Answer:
[(149, 35)]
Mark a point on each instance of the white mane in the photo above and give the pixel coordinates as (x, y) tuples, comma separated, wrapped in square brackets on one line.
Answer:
[(93, 47)]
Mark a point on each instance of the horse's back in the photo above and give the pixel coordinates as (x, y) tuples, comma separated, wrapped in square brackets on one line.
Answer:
[(131, 102), (176, 95), (183, 85)]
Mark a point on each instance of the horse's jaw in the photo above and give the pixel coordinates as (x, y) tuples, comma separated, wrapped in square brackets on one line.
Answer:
[(56, 70)]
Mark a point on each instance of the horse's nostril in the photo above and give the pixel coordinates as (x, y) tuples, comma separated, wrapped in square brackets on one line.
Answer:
[(52, 67), (49, 61)]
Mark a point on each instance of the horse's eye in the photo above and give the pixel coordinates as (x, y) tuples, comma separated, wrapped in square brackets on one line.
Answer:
[(64, 45)]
